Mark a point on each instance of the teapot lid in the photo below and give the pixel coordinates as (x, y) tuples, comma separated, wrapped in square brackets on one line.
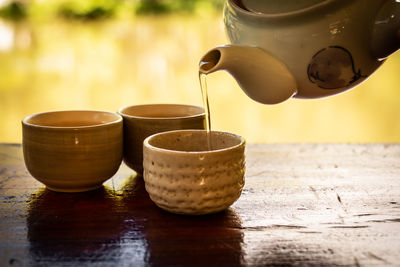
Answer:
[(278, 6)]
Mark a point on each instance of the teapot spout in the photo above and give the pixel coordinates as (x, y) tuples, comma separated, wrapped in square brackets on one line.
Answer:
[(260, 75)]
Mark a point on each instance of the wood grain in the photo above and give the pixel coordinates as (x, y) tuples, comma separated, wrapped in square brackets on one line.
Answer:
[(303, 204)]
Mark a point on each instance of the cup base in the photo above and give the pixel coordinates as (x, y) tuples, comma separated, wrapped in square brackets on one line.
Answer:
[(74, 190), (192, 212)]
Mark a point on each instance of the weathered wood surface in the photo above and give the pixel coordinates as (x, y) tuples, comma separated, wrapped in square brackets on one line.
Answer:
[(303, 204)]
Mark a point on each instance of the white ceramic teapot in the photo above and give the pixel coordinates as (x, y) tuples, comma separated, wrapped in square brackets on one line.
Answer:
[(304, 48)]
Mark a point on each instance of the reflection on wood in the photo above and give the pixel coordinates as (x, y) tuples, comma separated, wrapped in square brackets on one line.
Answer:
[(305, 204)]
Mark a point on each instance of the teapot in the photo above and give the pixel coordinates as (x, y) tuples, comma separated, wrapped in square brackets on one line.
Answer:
[(306, 48)]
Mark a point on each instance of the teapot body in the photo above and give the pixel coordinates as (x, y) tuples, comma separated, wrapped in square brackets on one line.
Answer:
[(326, 46)]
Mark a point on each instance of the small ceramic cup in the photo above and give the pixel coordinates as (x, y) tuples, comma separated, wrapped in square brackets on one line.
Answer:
[(141, 121), (182, 175), (72, 151)]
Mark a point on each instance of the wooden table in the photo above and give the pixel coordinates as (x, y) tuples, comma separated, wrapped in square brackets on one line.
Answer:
[(303, 204)]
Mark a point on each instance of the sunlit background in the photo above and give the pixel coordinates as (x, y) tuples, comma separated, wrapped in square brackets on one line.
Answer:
[(57, 55)]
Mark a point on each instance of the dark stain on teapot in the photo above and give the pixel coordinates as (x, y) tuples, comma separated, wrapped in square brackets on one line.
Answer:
[(333, 68)]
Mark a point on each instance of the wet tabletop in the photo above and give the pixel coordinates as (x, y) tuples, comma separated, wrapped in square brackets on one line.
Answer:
[(303, 204)]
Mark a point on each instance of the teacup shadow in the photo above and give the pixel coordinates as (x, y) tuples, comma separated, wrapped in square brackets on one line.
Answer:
[(75, 227), (124, 226), (176, 240), (184, 240)]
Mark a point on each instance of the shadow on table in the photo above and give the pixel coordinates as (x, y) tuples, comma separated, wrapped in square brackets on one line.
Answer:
[(72, 227), (125, 227), (186, 240)]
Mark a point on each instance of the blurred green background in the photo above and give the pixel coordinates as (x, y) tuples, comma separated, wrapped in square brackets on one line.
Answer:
[(72, 54)]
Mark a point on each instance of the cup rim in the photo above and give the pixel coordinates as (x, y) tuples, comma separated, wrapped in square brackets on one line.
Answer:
[(25, 120), (121, 111), (180, 152)]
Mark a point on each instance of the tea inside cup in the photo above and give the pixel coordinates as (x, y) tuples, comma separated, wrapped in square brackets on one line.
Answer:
[(194, 171)]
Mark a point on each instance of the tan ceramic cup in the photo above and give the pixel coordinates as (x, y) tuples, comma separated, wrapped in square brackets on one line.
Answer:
[(142, 121), (72, 151), (183, 176)]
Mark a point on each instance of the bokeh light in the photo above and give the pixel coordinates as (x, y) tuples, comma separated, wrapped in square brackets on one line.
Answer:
[(57, 63)]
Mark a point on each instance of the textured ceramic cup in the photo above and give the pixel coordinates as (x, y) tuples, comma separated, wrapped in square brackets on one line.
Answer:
[(183, 176), (141, 121), (72, 151)]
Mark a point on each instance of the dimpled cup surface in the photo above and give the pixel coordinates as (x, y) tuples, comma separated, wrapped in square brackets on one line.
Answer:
[(182, 177)]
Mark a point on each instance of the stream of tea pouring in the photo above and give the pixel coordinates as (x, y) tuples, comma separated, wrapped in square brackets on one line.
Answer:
[(206, 104)]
